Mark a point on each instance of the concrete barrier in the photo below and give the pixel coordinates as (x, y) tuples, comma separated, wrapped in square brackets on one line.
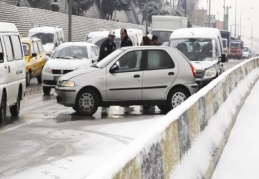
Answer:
[(188, 142)]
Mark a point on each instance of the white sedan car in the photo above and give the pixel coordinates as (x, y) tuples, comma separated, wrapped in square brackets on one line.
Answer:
[(66, 58)]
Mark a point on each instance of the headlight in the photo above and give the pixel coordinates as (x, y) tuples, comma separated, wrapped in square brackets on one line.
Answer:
[(210, 73), (67, 84), (47, 69)]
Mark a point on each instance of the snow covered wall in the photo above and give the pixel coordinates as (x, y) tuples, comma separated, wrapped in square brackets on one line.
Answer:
[(188, 141)]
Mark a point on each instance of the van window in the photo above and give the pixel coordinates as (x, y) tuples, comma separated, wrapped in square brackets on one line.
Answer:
[(1, 50), (17, 47), (8, 48)]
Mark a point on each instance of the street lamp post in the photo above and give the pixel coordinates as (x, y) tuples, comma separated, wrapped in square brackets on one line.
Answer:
[(218, 20), (235, 19), (146, 16), (242, 19)]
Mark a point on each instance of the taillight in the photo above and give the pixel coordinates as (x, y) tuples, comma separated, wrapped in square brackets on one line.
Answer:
[(193, 70)]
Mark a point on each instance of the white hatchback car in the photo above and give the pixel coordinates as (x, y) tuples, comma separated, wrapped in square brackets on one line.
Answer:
[(66, 58), (137, 75)]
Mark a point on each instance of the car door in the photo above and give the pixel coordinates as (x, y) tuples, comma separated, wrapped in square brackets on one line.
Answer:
[(34, 63), (125, 82), (159, 74)]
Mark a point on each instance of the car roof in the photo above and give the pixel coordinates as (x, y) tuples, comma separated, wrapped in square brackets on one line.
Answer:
[(29, 39), (45, 29), (150, 47), (76, 44), (8, 27), (196, 32)]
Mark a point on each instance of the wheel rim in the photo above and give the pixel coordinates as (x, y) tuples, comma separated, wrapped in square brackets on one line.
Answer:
[(177, 99), (86, 102)]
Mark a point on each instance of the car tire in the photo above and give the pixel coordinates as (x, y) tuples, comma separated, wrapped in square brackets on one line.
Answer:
[(39, 79), (163, 108), (87, 102), (28, 78), (15, 109), (46, 90), (3, 108), (176, 97)]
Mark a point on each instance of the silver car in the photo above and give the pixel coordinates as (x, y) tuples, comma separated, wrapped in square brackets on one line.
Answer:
[(139, 75)]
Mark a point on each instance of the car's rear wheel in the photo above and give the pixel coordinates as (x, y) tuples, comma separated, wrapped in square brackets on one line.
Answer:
[(87, 102), (39, 79), (28, 78), (15, 109), (3, 108), (46, 90), (176, 97)]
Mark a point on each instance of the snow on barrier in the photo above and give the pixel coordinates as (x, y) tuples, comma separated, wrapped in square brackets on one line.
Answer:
[(188, 141)]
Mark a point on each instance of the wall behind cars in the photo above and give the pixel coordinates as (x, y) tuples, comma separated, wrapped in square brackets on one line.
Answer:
[(25, 18)]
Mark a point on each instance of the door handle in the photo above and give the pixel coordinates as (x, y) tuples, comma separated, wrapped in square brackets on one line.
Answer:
[(7, 68), (136, 76), (171, 73)]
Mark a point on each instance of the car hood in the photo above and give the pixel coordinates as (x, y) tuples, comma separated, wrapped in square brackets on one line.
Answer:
[(68, 64), (79, 71), (202, 65)]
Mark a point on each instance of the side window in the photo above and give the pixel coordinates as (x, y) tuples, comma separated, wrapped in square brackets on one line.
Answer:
[(35, 48), (8, 48), (26, 49), (130, 61), (17, 48), (159, 59), (1, 51), (40, 46)]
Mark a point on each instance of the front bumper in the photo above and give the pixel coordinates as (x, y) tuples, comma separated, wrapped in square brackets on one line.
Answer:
[(50, 80), (66, 96)]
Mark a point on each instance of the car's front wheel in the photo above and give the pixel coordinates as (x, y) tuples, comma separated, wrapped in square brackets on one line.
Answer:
[(176, 97), (46, 90), (87, 102), (28, 78)]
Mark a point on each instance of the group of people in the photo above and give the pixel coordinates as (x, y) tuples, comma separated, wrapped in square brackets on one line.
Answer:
[(108, 46)]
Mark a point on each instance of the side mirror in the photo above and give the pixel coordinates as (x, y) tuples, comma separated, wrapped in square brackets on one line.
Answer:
[(34, 55), (223, 58), (114, 68)]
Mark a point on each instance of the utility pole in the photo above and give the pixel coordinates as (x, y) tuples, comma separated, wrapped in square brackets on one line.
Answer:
[(70, 21), (146, 17), (235, 19), (209, 12)]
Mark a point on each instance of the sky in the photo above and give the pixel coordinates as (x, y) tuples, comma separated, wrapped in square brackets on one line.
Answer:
[(236, 7)]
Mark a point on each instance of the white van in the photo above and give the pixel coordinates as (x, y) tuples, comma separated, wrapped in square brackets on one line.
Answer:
[(12, 70), (203, 47), (51, 37), (97, 37)]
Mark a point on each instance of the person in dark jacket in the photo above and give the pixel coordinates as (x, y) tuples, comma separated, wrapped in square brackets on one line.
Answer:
[(154, 40), (125, 40), (108, 46)]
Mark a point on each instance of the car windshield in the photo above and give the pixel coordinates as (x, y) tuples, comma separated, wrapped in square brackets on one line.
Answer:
[(163, 36), (45, 37), (26, 49), (245, 49), (195, 49), (104, 62), (235, 45), (71, 52)]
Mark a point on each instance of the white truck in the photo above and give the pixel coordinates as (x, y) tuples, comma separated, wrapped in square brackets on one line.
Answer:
[(163, 26)]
